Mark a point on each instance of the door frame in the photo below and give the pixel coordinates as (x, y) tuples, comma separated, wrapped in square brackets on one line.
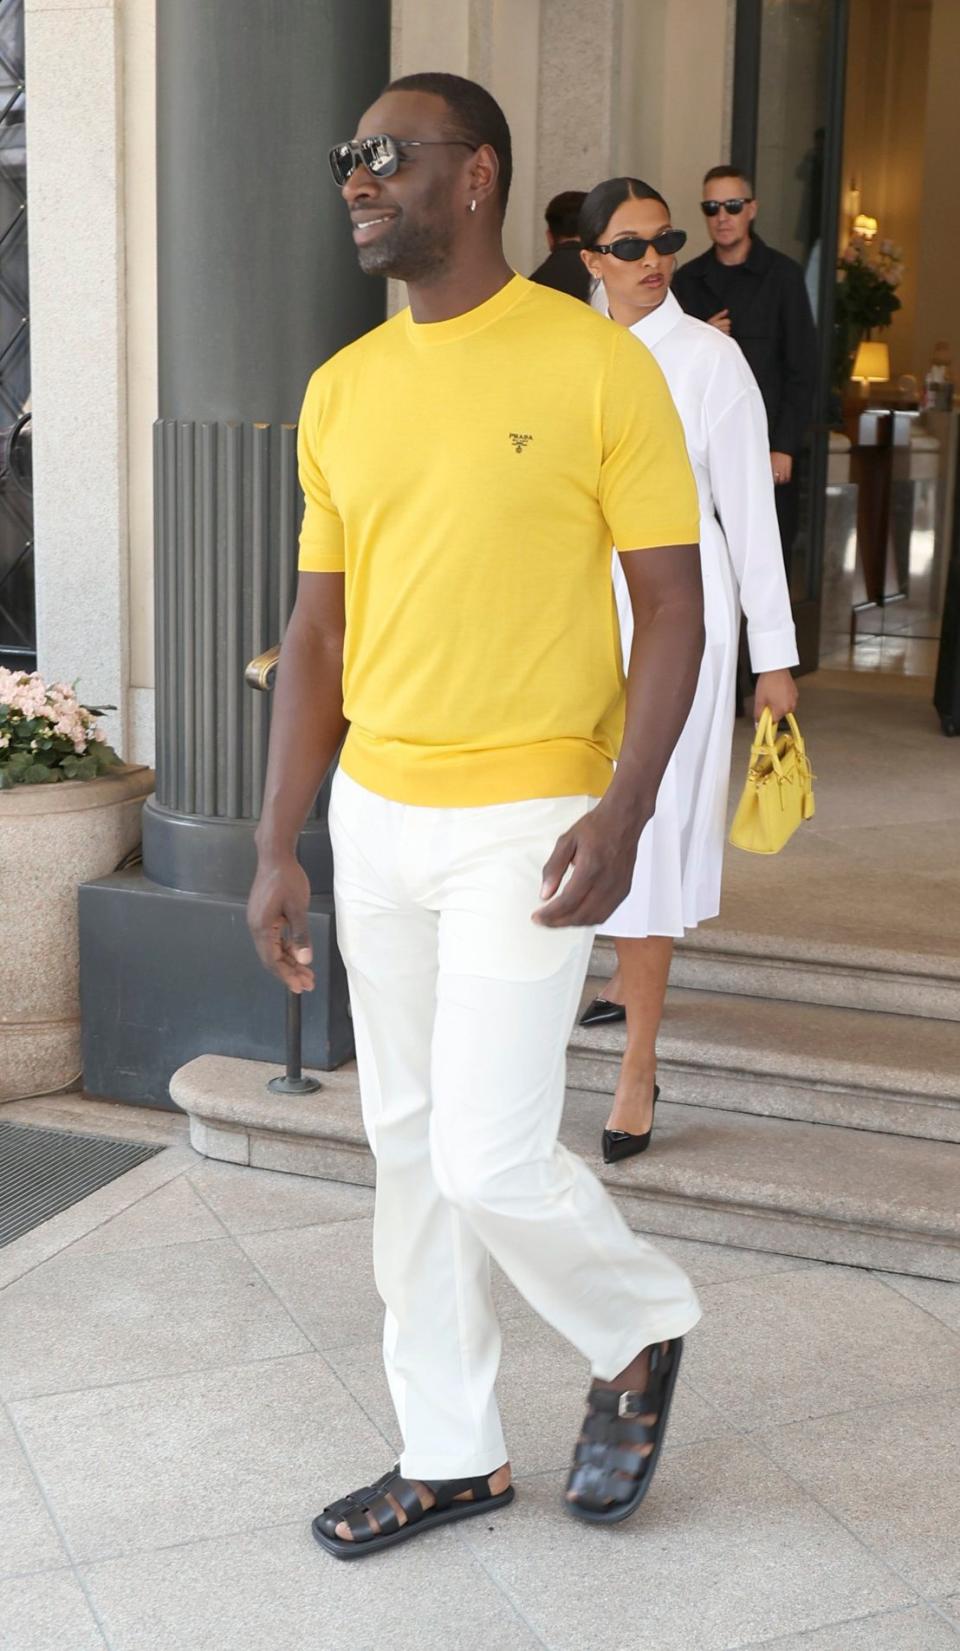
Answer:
[(743, 146)]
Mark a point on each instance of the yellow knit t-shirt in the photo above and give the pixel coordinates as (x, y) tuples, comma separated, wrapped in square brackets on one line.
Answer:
[(470, 477)]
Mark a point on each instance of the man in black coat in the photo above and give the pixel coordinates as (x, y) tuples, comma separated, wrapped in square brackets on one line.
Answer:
[(564, 269), (758, 296)]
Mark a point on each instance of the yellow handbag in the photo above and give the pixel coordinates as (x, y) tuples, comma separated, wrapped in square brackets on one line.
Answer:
[(779, 790)]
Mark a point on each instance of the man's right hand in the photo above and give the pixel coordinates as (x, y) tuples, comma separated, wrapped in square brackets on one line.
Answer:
[(721, 321), (277, 916)]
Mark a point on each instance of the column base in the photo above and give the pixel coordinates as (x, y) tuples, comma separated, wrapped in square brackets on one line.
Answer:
[(166, 976)]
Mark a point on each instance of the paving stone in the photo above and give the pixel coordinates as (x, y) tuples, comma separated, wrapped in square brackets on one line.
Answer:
[(277, 1590), (779, 1348), (144, 1464), (934, 1295), (84, 1321), (892, 1476), (52, 1237), (259, 1200), (47, 1612), (28, 1538), (325, 1276), (916, 1629), (171, 1215), (725, 1551)]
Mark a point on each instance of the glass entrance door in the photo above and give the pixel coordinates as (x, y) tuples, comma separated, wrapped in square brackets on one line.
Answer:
[(788, 137)]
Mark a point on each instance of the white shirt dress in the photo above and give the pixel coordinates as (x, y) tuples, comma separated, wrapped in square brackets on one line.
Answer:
[(676, 884)]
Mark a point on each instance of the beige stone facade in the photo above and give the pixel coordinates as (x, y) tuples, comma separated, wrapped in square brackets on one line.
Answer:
[(589, 90)]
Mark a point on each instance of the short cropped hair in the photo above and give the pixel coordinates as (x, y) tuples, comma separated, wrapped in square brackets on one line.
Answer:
[(474, 115), (562, 213), (728, 172)]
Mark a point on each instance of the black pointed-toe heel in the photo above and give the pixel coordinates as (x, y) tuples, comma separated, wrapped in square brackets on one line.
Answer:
[(601, 1012), (619, 1143)]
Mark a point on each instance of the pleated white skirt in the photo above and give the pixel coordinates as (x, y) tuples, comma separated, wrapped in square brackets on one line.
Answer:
[(676, 884)]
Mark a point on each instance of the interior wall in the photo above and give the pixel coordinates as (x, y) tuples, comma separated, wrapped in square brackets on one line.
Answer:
[(675, 56), (887, 143), (938, 296)]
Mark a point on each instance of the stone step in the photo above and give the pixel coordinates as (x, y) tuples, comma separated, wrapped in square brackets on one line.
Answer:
[(896, 1074), (804, 1189), (805, 971)]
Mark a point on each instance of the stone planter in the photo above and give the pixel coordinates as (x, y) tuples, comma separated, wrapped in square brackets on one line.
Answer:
[(52, 838)]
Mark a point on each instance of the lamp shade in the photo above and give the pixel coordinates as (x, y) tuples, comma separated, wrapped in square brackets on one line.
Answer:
[(872, 365), (864, 225)]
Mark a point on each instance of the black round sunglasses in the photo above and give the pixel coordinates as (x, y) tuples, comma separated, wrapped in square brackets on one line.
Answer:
[(631, 248)]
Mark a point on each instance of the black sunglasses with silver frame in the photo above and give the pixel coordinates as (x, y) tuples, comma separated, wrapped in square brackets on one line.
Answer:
[(381, 155), (734, 206), (631, 248)]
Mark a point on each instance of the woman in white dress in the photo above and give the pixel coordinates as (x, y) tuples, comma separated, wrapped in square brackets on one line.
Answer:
[(629, 246)]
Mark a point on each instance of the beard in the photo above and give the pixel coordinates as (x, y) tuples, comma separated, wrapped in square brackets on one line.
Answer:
[(410, 251)]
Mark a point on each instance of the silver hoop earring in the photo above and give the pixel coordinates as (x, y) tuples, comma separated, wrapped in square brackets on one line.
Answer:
[(472, 207)]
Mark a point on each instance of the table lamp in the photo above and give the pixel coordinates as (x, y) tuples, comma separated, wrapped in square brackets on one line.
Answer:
[(872, 365)]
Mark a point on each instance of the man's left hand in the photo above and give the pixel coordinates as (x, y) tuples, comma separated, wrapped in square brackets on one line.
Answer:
[(602, 849), (782, 466)]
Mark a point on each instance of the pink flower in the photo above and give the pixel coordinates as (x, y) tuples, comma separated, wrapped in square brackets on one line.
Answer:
[(54, 710)]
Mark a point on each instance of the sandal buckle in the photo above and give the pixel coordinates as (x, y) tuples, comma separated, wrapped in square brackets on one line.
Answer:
[(629, 1404)]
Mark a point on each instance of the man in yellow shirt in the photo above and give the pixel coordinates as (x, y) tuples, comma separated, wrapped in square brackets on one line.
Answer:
[(467, 468)]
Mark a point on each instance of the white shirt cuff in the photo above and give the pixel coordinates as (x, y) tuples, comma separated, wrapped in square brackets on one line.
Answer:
[(772, 650)]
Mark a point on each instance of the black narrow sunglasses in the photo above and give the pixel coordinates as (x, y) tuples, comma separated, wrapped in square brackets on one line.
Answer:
[(734, 207), (631, 248), (380, 155)]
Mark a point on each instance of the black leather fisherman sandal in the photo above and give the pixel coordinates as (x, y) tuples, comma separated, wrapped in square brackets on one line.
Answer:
[(610, 1476), (372, 1499)]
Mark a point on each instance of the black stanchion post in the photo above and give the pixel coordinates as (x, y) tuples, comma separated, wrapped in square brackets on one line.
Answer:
[(293, 1082)]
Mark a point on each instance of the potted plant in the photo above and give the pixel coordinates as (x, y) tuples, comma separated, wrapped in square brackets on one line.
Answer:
[(866, 298), (69, 812)]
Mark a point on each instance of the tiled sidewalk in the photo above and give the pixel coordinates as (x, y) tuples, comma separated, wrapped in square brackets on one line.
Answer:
[(188, 1378)]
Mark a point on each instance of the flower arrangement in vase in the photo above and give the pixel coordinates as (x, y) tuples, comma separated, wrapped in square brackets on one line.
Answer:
[(866, 297)]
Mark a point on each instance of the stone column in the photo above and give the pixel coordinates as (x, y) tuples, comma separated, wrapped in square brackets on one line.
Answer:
[(257, 283), (75, 193)]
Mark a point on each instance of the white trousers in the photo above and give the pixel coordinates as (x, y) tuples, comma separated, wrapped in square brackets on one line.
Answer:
[(462, 1009)]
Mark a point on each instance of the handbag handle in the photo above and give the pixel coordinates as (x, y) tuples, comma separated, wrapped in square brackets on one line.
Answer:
[(765, 739), (765, 743), (797, 736)]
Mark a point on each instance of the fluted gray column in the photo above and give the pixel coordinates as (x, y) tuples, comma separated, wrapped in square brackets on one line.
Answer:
[(257, 284)]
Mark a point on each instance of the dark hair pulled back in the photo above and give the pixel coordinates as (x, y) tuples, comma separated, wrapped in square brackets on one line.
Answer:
[(602, 203)]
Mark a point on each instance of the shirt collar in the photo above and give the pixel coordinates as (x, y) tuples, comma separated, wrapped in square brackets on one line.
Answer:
[(651, 328)]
